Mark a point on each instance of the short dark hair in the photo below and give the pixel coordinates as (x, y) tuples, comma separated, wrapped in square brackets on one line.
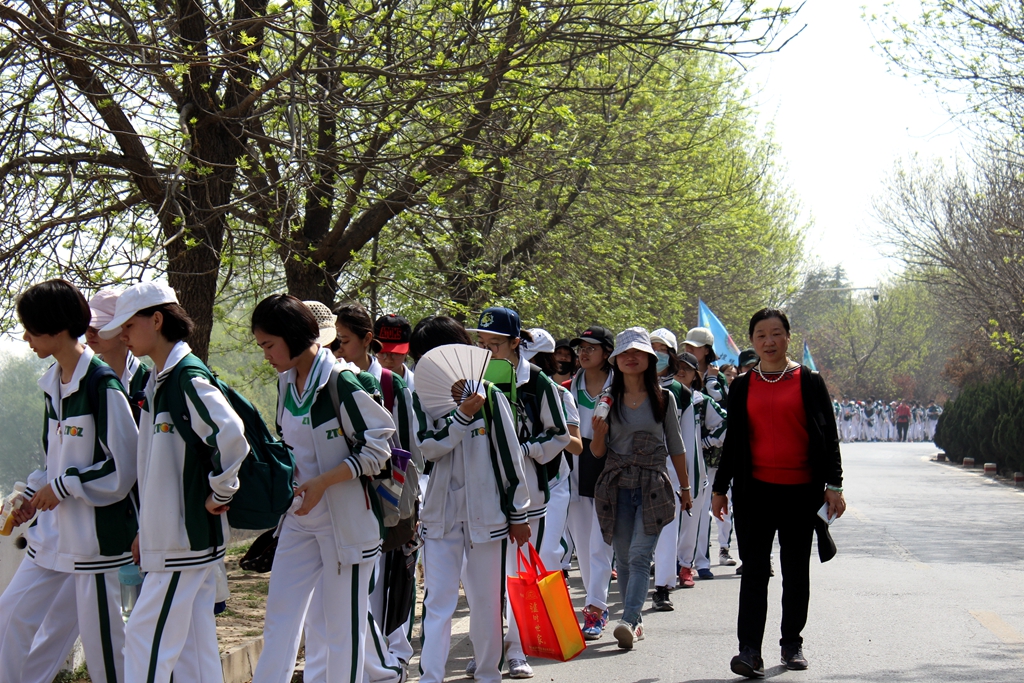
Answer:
[(177, 324), (285, 316), (353, 316), (545, 360), (54, 306), (434, 331), (765, 314)]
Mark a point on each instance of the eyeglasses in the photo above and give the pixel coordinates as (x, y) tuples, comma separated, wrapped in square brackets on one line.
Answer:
[(588, 348), (493, 346)]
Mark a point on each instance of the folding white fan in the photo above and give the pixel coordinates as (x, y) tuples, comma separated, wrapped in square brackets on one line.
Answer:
[(447, 375)]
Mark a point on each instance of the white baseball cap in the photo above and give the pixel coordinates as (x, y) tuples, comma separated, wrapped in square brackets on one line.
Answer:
[(325, 320), (700, 336), (103, 304), (665, 337), (542, 342), (134, 299), (632, 338)]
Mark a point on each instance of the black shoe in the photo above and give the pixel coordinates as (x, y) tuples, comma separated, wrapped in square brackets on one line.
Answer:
[(662, 603), (747, 663), (794, 658), (739, 570)]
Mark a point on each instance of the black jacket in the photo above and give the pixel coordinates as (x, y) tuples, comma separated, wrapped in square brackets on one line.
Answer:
[(822, 448)]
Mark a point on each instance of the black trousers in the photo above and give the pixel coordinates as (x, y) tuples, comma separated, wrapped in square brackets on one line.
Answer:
[(901, 430), (761, 509)]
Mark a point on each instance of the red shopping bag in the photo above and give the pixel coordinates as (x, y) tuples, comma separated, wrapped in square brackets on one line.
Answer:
[(540, 600)]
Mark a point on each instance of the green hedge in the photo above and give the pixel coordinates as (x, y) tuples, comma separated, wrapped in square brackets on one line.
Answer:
[(985, 422)]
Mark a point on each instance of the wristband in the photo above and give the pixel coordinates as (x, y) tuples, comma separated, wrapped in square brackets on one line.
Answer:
[(837, 489), (718, 493), (684, 488)]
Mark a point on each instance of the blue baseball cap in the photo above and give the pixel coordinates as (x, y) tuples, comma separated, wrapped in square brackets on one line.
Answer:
[(499, 320)]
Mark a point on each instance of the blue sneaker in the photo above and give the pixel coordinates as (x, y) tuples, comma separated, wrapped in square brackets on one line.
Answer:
[(593, 624), (705, 574)]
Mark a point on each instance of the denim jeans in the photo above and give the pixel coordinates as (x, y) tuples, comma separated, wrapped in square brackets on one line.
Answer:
[(634, 552)]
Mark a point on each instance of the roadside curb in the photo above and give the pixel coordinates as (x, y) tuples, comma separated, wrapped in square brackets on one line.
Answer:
[(239, 663), (1013, 482)]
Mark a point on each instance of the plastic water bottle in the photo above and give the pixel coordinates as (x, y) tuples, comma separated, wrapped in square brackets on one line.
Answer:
[(131, 585), (10, 504), (604, 406)]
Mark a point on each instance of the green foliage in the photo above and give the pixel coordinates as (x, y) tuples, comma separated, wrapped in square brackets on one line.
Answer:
[(21, 414), (985, 422)]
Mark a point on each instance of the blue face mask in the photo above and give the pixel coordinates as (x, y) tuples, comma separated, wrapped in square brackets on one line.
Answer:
[(662, 361)]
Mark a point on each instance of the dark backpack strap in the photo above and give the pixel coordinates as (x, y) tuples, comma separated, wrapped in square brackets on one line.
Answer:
[(178, 407), (332, 389), (92, 385)]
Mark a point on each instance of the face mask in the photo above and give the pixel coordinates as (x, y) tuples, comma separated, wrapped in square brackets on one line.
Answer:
[(565, 367), (662, 361)]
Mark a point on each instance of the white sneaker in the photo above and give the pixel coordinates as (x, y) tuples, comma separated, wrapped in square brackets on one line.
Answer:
[(725, 559), (519, 668), (625, 634)]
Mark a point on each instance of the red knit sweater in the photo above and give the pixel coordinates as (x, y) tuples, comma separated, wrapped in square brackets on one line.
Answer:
[(778, 430)]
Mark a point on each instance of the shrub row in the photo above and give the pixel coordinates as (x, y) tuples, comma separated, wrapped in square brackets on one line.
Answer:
[(985, 422)]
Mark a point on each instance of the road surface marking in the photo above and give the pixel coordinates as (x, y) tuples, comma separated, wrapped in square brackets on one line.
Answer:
[(999, 628)]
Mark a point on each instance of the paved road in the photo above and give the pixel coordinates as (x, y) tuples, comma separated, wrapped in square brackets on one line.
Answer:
[(928, 586)]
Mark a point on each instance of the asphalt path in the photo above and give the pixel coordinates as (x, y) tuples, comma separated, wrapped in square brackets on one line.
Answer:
[(928, 585)]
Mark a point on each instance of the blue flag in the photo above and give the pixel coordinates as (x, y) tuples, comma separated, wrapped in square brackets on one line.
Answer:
[(725, 347), (808, 361)]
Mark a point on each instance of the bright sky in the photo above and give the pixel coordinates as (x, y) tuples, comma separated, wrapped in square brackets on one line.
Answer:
[(841, 120)]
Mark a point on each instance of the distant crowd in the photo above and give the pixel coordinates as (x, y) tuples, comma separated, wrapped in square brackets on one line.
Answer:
[(875, 420)]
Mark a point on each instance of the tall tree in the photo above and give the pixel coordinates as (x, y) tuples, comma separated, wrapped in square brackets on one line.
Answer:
[(141, 138)]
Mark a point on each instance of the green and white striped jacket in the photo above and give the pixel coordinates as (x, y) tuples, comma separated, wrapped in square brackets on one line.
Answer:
[(90, 465)]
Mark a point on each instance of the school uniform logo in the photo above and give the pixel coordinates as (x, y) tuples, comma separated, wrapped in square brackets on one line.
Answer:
[(305, 420), (333, 434), (163, 428), (73, 430)]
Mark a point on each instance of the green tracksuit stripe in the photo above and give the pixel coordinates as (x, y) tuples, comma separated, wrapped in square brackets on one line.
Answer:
[(500, 441), (161, 622), (355, 625), (103, 610)]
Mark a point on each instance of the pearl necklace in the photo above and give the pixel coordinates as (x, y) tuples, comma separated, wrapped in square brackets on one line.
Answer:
[(777, 379)]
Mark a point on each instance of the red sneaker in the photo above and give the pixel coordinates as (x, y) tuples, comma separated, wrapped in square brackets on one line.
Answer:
[(686, 577)]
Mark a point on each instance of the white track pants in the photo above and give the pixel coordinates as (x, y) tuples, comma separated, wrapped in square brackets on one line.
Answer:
[(55, 637), (172, 629), (695, 529), (24, 607), (724, 526), (380, 662), (592, 553), (484, 585), (307, 553), (668, 540)]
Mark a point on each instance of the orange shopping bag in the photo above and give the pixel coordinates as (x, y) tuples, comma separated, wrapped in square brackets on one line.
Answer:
[(540, 600)]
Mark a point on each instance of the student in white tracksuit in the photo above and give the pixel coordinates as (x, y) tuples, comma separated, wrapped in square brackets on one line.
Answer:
[(594, 556), (86, 519), (695, 530), (475, 455), (385, 654), (331, 538), (542, 437), (182, 530)]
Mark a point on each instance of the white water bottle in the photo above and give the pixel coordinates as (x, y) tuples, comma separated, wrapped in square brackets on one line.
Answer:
[(604, 406), (130, 579), (10, 504)]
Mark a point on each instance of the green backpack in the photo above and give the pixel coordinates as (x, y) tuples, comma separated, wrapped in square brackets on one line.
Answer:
[(266, 477)]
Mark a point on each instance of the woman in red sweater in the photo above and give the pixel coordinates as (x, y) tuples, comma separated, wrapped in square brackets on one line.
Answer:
[(781, 455)]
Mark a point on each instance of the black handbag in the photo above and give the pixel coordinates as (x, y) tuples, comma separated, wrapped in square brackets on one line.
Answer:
[(259, 557)]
